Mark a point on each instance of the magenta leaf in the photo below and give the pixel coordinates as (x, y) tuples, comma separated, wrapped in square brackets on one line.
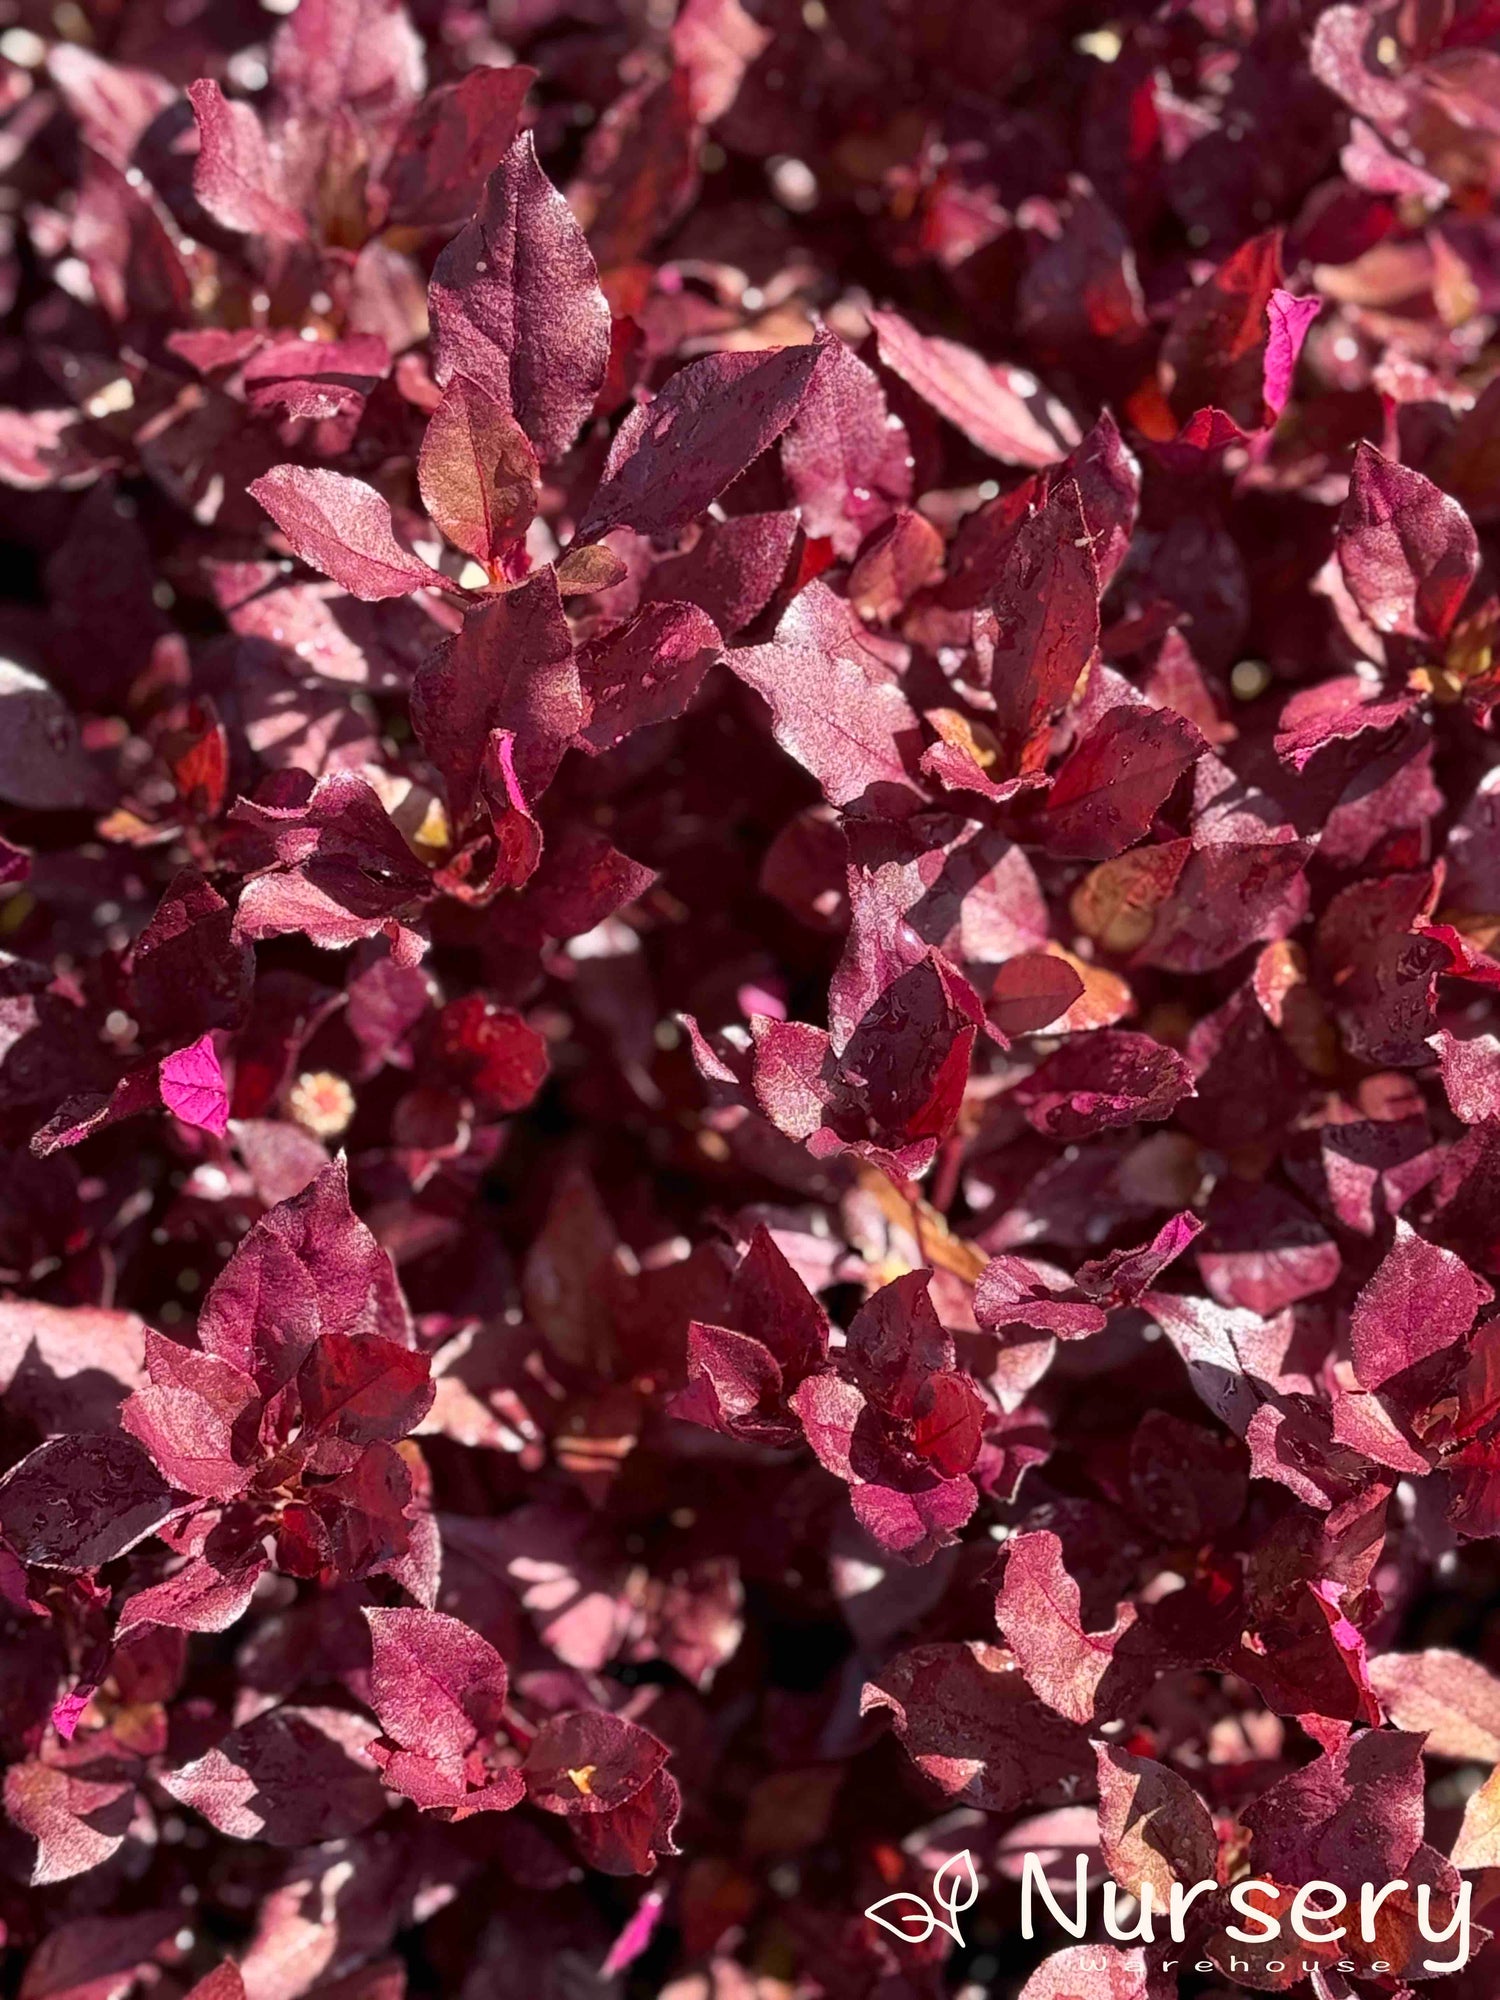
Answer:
[(193, 1086)]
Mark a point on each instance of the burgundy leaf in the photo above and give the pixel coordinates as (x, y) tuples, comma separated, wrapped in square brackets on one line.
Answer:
[(517, 307), (644, 672), (435, 1685), (499, 1060), (238, 177), (453, 141), (1420, 1300), (477, 472), (76, 1820), (1000, 408), (1407, 552), (1351, 1816), (185, 1417), (590, 1762), (364, 1389), (1215, 352), (1041, 630), (716, 41), (731, 572), (1108, 789), (1068, 1667), (674, 456), (342, 527), (511, 667), (1154, 1829), (969, 1723), (77, 1502), (42, 763), (291, 1776), (1453, 1701), (1097, 1081), (1032, 991), (833, 704), (847, 459)]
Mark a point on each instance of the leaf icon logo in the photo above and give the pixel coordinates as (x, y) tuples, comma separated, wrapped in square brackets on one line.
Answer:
[(955, 1888)]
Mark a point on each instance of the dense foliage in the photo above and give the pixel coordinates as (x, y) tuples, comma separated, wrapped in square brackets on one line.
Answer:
[(750, 1016)]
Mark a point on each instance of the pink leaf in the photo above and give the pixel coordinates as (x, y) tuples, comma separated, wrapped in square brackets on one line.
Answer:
[(193, 1086)]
